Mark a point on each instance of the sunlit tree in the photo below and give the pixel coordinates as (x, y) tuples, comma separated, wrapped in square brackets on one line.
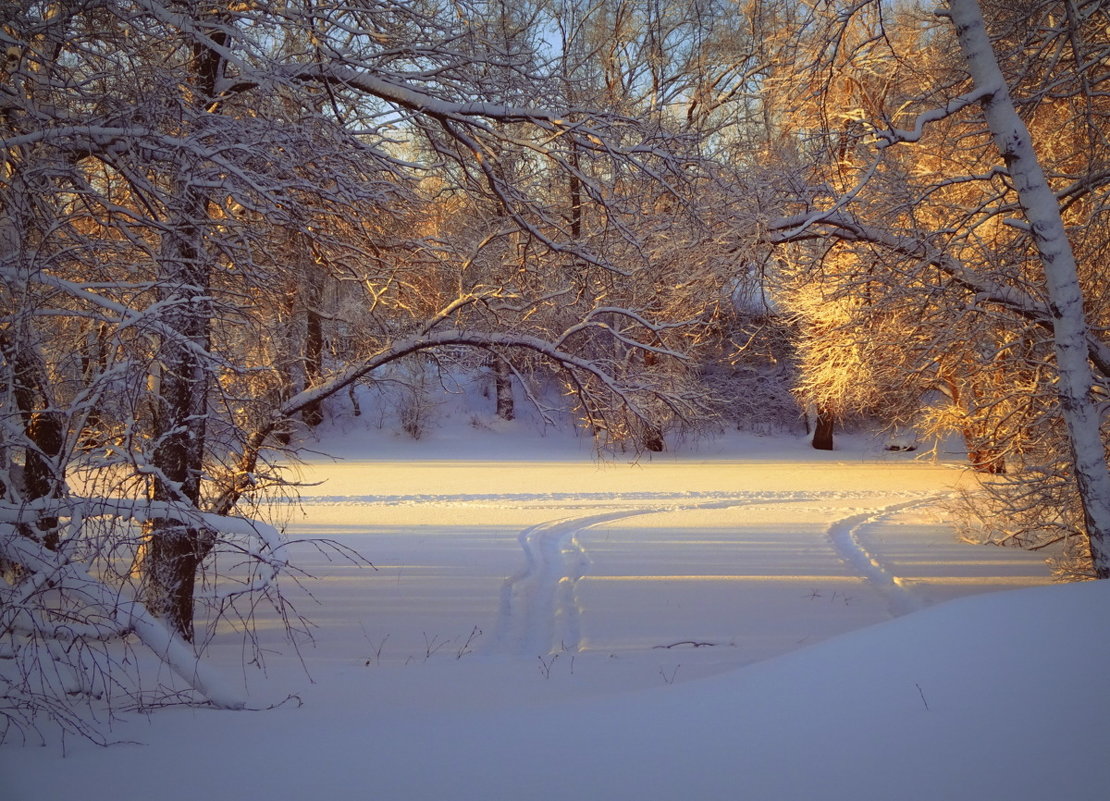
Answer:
[(195, 198)]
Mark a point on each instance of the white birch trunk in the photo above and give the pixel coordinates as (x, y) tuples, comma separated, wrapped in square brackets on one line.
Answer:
[(1070, 332)]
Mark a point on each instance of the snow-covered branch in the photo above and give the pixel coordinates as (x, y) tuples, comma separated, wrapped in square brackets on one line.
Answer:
[(96, 600), (896, 136)]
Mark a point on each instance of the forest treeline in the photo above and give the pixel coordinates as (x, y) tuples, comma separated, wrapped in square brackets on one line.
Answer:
[(654, 215)]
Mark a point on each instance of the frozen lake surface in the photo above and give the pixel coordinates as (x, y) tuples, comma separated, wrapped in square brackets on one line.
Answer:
[(748, 558), (767, 627)]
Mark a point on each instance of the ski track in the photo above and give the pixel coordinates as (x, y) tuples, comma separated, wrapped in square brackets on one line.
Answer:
[(577, 499), (539, 611), (844, 535)]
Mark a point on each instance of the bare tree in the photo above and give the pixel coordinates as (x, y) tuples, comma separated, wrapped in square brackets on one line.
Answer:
[(163, 166)]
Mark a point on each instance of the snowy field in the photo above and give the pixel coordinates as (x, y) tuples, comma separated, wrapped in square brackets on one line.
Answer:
[(759, 621)]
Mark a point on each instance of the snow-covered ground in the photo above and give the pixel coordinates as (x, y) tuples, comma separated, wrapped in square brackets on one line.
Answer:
[(749, 620)]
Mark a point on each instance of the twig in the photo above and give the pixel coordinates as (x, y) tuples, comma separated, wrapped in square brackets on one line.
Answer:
[(693, 643), (465, 648), (547, 664), (922, 694)]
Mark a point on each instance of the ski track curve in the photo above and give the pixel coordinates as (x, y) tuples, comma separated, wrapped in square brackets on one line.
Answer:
[(845, 537), (538, 611)]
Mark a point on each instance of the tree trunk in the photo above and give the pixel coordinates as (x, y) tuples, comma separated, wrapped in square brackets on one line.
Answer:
[(651, 439), (94, 361), (172, 557), (503, 388), (1069, 322), (823, 430), (285, 355), (174, 548), (313, 415), (982, 457), (43, 433)]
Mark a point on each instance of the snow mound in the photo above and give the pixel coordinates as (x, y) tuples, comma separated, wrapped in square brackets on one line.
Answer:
[(989, 697)]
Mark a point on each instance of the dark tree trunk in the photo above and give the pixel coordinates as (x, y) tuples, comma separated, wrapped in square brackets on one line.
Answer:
[(823, 430), (173, 556), (45, 436), (575, 191), (652, 439), (41, 479), (503, 389), (285, 359), (94, 361), (313, 415), (982, 456), (174, 549)]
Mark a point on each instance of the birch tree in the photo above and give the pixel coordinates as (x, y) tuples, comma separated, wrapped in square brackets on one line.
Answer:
[(1070, 330), (966, 230)]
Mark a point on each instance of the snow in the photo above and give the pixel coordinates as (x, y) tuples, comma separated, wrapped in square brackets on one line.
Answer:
[(747, 618)]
